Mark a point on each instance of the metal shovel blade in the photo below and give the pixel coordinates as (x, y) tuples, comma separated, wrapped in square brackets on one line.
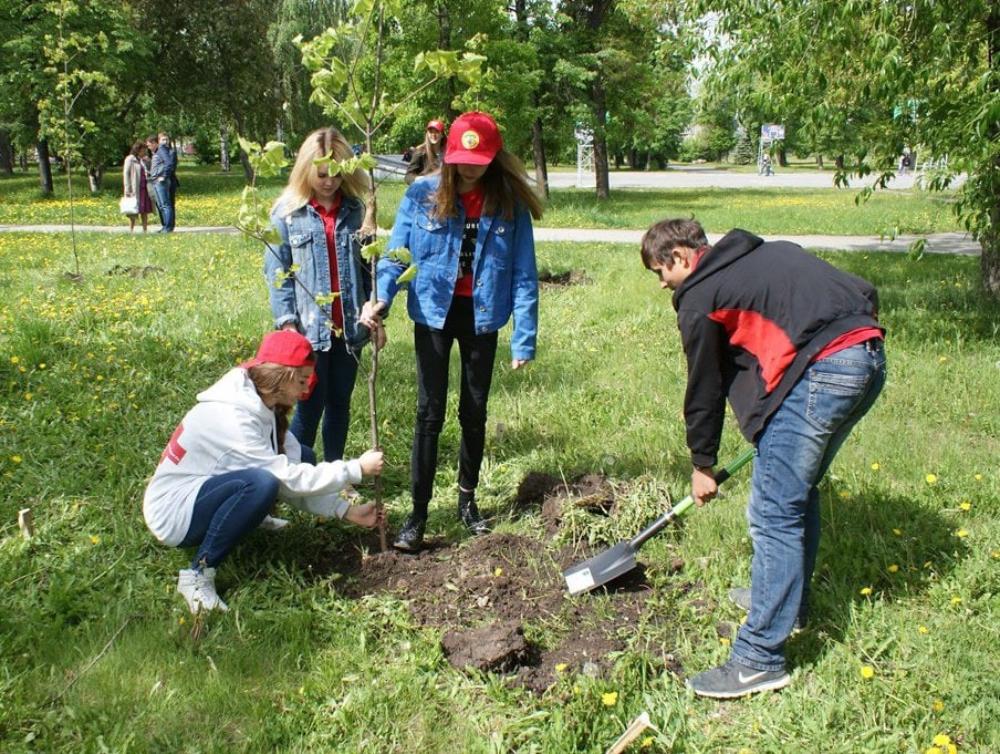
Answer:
[(600, 569)]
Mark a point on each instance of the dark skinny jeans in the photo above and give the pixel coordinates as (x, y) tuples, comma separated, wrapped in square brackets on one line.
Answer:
[(433, 349)]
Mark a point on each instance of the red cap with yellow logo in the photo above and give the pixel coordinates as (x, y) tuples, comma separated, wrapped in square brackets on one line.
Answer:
[(474, 139)]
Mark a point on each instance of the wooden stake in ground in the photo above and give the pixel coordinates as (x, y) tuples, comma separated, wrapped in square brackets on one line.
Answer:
[(632, 732), (26, 522)]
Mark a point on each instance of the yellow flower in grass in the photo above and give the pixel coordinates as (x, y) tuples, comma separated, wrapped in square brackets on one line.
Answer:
[(561, 667), (893, 568), (867, 672), (16, 459), (965, 505), (961, 533), (876, 466), (94, 539), (933, 750), (15, 359), (724, 641), (898, 532), (941, 739), (956, 600), (978, 477), (647, 742), (609, 698), (923, 630), (931, 479), (866, 591), (938, 705)]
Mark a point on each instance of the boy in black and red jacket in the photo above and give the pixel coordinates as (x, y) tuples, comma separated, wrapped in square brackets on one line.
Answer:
[(796, 347)]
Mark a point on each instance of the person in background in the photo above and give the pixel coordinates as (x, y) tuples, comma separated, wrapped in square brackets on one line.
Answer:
[(319, 217), (134, 184), (163, 175), (426, 159), (470, 235), (231, 459)]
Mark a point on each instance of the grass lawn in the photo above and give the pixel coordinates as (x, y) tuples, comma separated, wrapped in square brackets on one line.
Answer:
[(97, 652), (208, 197)]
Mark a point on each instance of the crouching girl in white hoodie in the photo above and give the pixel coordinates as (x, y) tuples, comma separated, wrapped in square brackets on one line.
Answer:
[(232, 457)]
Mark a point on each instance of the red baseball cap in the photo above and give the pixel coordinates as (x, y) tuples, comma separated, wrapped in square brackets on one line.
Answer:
[(474, 139), (436, 125), (285, 347)]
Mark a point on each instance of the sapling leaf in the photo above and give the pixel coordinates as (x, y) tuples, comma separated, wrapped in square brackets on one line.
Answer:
[(408, 274), (322, 299), (374, 250), (271, 236), (401, 255)]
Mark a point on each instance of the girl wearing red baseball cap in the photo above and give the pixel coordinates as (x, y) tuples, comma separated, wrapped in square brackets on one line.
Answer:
[(470, 234), (231, 458), (426, 158)]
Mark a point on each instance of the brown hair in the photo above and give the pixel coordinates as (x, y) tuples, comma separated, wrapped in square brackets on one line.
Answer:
[(269, 379), (662, 237), (505, 186), (137, 148)]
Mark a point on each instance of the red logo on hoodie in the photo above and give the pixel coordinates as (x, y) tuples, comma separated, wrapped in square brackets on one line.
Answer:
[(174, 451)]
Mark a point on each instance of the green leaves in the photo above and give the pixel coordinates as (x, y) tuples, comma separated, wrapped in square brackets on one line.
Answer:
[(448, 63), (408, 274), (336, 167), (266, 161)]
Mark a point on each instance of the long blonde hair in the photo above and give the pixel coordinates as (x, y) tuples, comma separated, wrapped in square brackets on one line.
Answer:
[(505, 186), (320, 143), (269, 379)]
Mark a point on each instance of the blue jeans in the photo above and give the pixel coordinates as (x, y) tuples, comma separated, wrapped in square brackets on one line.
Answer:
[(228, 507), (336, 372), (793, 453), (165, 204)]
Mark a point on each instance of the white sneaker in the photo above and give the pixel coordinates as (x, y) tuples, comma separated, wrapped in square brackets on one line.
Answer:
[(198, 588), (273, 523)]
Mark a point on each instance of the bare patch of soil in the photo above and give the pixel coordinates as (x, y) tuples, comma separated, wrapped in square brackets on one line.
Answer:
[(548, 278), (135, 271)]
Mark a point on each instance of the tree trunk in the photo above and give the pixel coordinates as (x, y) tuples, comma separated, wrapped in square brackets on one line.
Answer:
[(23, 159), (444, 43), (247, 169), (224, 147), (783, 156), (839, 162), (44, 168), (618, 159), (599, 106), (95, 176), (538, 149), (6, 152), (819, 162)]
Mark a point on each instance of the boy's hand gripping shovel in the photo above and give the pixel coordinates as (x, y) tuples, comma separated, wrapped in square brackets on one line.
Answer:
[(620, 559)]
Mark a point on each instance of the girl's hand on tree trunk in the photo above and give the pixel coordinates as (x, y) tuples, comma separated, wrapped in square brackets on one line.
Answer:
[(367, 515), (371, 314), (372, 462)]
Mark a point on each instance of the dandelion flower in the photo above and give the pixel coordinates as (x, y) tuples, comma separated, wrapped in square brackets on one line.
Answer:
[(181, 621), (933, 750), (923, 630), (498, 571), (942, 359), (931, 479), (724, 641), (898, 532), (867, 672), (941, 740), (844, 494), (893, 568), (938, 705), (956, 600), (978, 477), (609, 698), (876, 466), (647, 742), (561, 667), (961, 533), (16, 459), (94, 539), (866, 591), (15, 359)]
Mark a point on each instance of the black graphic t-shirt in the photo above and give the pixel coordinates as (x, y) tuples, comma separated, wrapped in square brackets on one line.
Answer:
[(472, 201)]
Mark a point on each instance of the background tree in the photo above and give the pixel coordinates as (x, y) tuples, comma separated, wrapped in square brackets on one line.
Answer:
[(862, 63)]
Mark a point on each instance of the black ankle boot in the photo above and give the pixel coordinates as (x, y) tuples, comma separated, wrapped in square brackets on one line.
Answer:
[(411, 536), (469, 513)]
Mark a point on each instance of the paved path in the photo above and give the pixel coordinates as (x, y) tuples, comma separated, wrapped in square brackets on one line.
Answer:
[(937, 243)]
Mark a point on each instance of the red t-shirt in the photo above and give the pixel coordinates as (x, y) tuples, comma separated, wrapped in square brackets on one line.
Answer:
[(848, 339), (329, 218), (472, 201)]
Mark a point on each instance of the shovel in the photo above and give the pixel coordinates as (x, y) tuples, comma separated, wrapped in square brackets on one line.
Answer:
[(611, 564)]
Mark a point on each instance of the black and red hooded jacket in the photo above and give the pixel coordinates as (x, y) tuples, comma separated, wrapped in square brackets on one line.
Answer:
[(752, 316)]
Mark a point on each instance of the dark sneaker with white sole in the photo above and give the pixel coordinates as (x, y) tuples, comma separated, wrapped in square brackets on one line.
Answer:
[(734, 680), (411, 536), (740, 596)]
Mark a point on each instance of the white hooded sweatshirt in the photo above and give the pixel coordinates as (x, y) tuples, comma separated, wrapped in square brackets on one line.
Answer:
[(230, 429)]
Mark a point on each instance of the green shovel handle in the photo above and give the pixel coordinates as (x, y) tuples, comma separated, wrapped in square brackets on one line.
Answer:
[(720, 476)]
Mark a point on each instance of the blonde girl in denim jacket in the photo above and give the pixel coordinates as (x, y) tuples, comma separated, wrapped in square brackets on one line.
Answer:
[(319, 218), (469, 232)]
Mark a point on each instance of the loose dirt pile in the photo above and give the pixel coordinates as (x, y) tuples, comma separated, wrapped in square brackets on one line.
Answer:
[(548, 278)]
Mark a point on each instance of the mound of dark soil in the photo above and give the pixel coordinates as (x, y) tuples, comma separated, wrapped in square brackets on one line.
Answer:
[(548, 278), (591, 491)]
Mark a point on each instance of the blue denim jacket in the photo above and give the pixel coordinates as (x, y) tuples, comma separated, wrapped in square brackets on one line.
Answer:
[(303, 243), (506, 278)]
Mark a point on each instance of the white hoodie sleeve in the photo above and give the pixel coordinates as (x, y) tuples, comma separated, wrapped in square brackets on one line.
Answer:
[(298, 480)]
